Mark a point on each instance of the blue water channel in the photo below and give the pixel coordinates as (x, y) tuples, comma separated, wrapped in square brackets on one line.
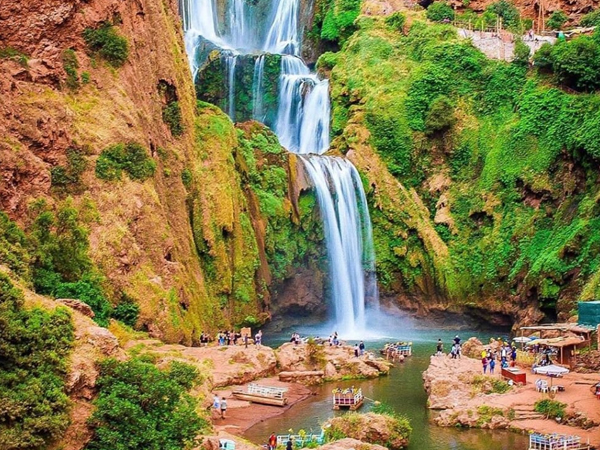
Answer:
[(403, 390)]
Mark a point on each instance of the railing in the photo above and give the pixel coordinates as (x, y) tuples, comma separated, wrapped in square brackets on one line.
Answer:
[(555, 441), (266, 391), (301, 440), (345, 398)]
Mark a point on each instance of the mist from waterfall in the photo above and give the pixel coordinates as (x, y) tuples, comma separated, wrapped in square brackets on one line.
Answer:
[(302, 126)]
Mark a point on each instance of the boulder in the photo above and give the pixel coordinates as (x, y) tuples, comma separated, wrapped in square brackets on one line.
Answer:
[(472, 348), (77, 305)]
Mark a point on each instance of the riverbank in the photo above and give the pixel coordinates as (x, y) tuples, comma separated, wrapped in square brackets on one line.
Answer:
[(464, 397)]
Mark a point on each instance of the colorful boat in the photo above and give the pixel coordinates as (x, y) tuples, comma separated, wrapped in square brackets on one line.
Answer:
[(348, 398)]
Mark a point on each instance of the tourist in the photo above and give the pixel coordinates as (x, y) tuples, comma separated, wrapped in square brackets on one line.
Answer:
[(513, 355), (484, 363), (216, 403), (289, 445), (223, 407), (361, 347), (439, 348), (335, 338), (258, 338), (246, 340), (356, 350), (492, 365), (272, 441), (457, 340), (453, 351)]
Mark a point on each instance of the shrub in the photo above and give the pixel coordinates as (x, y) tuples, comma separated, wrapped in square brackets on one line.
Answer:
[(68, 178), (507, 11), (131, 158), (396, 21), (107, 43), (440, 11), (186, 177), (127, 311), (551, 408), (71, 65), (557, 20), (577, 63), (13, 247), (171, 115), (34, 345), (543, 59), (338, 22), (88, 290), (140, 406), (85, 77), (440, 117), (591, 19), (522, 52), (327, 61)]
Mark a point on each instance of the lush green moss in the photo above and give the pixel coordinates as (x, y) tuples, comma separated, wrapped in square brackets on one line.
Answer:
[(131, 158), (521, 217), (34, 344), (70, 64), (106, 42), (172, 117), (140, 406)]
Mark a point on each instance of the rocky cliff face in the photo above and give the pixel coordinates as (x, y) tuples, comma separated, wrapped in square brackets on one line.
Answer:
[(194, 244)]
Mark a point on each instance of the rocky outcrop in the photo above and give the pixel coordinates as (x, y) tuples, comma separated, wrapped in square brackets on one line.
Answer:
[(336, 362), (77, 305), (350, 444), (373, 428)]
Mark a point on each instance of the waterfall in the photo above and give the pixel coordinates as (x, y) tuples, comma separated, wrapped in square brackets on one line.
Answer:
[(230, 62), (257, 89), (302, 126)]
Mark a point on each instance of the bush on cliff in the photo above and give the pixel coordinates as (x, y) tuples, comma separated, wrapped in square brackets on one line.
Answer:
[(577, 63), (557, 20), (591, 19), (131, 158), (439, 12), (106, 42), (34, 345), (550, 408), (142, 407)]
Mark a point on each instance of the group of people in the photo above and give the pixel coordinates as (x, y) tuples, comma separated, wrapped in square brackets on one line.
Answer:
[(333, 339), (359, 349), (489, 358), (220, 405), (455, 351), (230, 338)]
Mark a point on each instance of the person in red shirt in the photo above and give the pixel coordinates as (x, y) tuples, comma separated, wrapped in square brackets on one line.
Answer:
[(272, 441)]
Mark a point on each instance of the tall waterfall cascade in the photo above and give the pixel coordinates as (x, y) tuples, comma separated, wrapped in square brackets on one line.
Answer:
[(302, 125)]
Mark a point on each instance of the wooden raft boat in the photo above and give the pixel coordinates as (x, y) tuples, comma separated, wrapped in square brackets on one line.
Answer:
[(266, 395), (348, 398)]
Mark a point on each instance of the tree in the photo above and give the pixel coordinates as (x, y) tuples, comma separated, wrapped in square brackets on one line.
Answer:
[(577, 63), (440, 11), (522, 53), (557, 20), (142, 407)]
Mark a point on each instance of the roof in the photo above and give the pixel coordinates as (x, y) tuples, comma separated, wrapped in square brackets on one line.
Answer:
[(558, 342), (576, 328)]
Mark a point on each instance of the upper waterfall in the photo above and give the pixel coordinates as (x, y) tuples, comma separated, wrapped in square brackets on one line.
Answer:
[(300, 117)]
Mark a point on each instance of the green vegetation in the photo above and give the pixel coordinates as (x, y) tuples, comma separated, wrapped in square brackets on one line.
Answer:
[(591, 19), (34, 344), (14, 251), (503, 144), (396, 21), (107, 43), (126, 311), (140, 406), (440, 11), (522, 53), (557, 20), (550, 408), (9, 53), (131, 158), (67, 178), (70, 64), (486, 413), (334, 21), (172, 117), (396, 430)]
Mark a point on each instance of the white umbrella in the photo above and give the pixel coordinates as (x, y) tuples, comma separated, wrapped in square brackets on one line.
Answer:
[(521, 339), (551, 370)]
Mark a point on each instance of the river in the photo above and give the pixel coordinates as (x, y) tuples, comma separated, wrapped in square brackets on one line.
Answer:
[(403, 390)]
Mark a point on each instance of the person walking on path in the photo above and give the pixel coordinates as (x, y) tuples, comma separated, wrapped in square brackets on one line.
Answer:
[(484, 363), (272, 441), (223, 407)]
